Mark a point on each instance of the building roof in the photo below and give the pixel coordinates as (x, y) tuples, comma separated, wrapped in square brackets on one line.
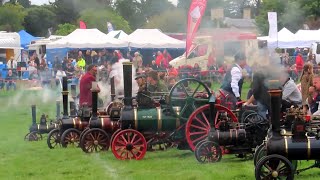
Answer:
[(240, 23)]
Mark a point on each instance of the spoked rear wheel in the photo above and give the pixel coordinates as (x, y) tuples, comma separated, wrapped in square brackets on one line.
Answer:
[(129, 144), (199, 125), (208, 152), (274, 167)]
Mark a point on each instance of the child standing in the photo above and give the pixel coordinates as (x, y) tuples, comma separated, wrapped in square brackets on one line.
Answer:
[(306, 82)]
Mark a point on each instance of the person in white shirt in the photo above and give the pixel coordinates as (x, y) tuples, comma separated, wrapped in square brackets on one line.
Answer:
[(60, 73), (12, 63), (233, 80), (291, 96)]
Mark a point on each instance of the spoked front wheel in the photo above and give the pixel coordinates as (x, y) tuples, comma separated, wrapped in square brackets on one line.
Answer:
[(70, 137), (208, 152), (274, 167), (53, 139), (95, 140)]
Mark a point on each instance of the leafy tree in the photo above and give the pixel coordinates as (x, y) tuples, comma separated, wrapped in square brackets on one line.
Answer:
[(131, 11), (98, 18), (24, 3), (269, 6), (169, 21), (38, 20), (155, 7), (66, 11), (65, 29), (11, 17)]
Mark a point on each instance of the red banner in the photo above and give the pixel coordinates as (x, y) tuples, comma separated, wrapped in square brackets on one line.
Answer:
[(82, 25), (196, 11)]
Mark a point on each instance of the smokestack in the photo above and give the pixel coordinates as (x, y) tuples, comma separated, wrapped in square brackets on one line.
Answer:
[(58, 109), (72, 108), (275, 109), (33, 113), (113, 91), (73, 91), (94, 91), (127, 83), (65, 96), (247, 13)]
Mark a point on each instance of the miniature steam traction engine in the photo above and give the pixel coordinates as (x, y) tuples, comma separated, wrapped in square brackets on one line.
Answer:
[(37, 129), (283, 148), (238, 138)]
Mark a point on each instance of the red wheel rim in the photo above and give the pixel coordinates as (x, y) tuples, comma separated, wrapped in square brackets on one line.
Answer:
[(198, 125), (113, 135), (129, 144)]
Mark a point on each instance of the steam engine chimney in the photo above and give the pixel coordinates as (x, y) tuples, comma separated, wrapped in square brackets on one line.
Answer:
[(247, 13), (127, 83), (58, 109), (113, 91), (33, 113), (94, 90), (65, 93), (275, 109)]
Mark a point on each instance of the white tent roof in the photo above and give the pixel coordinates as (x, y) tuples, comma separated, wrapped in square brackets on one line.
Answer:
[(152, 38), (9, 43), (119, 34), (87, 38)]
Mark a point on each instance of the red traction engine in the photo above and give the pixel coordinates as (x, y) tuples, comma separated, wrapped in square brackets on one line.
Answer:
[(279, 154)]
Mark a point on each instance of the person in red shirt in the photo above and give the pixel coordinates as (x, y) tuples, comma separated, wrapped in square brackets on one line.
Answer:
[(299, 63), (86, 85), (172, 71)]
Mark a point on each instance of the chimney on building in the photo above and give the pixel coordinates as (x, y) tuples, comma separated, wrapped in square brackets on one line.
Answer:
[(217, 13), (247, 13)]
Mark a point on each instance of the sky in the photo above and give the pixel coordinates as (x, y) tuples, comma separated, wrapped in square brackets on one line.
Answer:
[(40, 2)]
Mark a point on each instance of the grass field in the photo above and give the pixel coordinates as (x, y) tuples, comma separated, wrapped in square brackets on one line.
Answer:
[(34, 160)]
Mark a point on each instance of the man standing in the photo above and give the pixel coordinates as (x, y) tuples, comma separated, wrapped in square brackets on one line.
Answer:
[(12, 63), (233, 80), (86, 85)]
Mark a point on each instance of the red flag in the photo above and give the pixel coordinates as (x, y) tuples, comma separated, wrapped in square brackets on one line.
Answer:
[(196, 11), (82, 25)]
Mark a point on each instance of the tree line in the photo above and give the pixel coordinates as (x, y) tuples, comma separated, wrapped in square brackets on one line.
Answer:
[(63, 16)]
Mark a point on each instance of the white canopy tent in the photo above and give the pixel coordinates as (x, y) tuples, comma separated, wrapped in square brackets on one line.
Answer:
[(152, 38), (119, 34), (286, 39), (87, 38)]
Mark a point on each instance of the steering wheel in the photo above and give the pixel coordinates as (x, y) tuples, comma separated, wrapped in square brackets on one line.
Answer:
[(188, 94)]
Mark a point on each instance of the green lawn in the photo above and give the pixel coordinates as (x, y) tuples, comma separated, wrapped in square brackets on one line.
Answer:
[(34, 160)]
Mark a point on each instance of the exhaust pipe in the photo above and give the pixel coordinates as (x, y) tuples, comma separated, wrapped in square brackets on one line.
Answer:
[(94, 91), (127, 83), (65, 93), (72, 108), (113, 91), (58, 109), (33, 113)]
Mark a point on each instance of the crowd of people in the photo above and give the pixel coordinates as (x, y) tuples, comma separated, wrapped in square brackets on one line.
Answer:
[(160, 76)]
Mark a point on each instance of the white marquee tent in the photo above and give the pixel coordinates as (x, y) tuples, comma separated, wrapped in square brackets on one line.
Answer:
[(152, 38), (286, 39), (87, 38)]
